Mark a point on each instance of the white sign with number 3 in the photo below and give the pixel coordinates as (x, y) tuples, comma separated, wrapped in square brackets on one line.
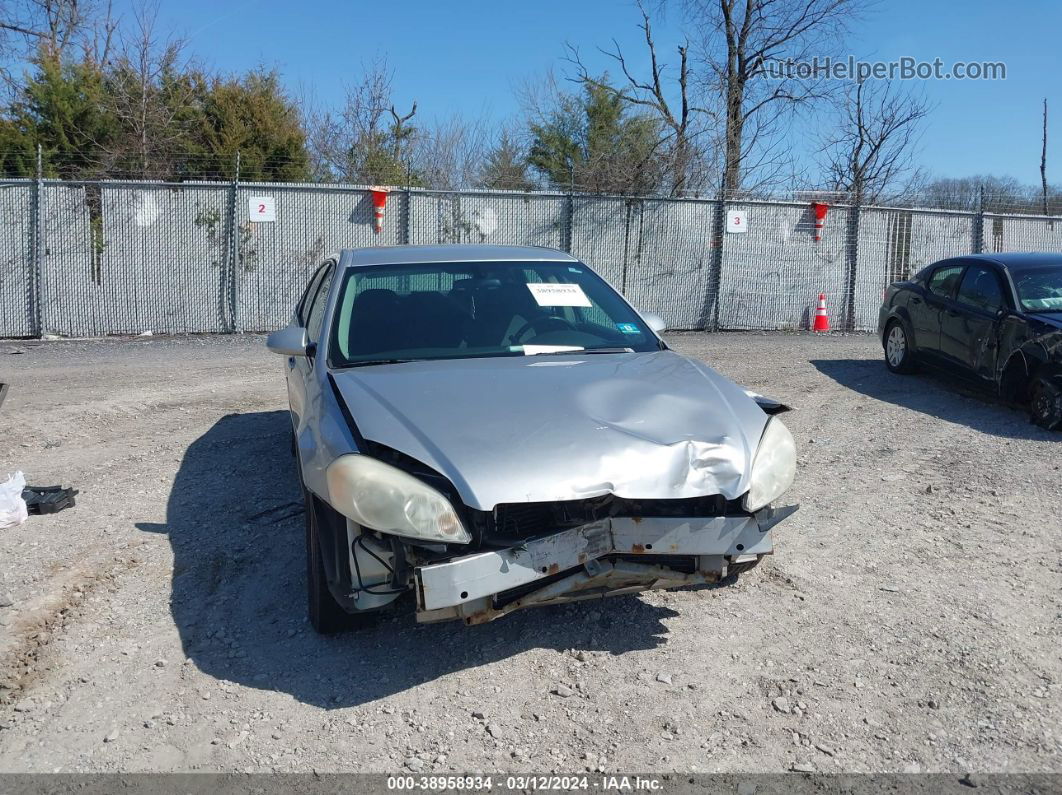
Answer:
[(737, 221), (261, 209)]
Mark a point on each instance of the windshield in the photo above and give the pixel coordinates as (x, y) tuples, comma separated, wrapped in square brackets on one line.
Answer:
[(461, 310), (1040, 290)]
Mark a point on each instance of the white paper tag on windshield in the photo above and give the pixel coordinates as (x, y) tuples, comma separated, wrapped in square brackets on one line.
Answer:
[(532, 350), (559, 294)]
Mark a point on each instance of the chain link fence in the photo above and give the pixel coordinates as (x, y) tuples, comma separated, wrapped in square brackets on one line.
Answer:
[(97, 258)]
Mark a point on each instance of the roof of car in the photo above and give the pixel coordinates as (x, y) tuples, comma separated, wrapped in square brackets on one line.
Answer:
[(1018, 261), (413, 255)]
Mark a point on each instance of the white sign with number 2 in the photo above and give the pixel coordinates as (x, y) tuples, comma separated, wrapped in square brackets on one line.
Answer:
[(261, 209), (736, 221)]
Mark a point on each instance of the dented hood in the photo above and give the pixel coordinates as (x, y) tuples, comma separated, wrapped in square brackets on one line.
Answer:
[(543, 428)]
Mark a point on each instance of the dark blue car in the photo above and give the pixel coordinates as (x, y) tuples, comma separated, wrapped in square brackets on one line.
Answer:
[(994, 319)]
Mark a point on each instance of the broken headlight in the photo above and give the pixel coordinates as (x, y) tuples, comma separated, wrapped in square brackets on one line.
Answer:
[(773, 466), (376, 495)]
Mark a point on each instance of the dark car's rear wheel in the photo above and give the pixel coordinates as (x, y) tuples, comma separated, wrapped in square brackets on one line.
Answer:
[(898, 356), (1045, 404)]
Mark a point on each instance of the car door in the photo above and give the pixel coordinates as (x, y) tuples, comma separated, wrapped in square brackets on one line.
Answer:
[(926, 307), (310, 312), (970, 325)]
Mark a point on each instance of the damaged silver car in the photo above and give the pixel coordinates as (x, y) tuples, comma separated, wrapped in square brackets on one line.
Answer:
[(487, 428)]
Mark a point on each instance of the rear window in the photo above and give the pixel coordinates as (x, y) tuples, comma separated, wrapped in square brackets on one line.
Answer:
[(944, 280)]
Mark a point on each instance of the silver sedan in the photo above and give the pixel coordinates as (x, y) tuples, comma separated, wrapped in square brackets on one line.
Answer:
[(485, 428)]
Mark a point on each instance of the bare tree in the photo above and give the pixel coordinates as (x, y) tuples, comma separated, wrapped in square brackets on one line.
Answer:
[(679, 117), (56, 28), (1043, 163), (986, 192), (51, 24), (99, 35), (869, 150), (448, 153), (367, 140), (399, 130), (53, 29), (148, 96), (739, 38)]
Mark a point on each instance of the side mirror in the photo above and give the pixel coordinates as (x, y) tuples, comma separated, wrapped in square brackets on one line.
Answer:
[(656, 323), (289, 341)]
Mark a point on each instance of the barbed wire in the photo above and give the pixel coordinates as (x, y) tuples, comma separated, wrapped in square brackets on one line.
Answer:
[(177, 167)]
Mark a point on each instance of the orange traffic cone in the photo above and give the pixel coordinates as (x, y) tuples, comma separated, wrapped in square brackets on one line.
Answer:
[(822, 320)]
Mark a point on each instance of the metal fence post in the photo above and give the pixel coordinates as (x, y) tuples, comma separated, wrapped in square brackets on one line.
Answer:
[(851, 256), (979, 224), (715, 276), (228, 298), (626, 247), (34, 294), (409, 216), (569, 223)]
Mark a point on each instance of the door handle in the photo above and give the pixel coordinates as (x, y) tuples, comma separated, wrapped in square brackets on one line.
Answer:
[(916, 300)]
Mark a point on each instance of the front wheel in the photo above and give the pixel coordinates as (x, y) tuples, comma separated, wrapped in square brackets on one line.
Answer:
[(898, 356), (1045, 405), (326, 614)]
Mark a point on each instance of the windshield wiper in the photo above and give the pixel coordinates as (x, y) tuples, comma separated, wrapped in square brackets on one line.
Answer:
[(367, 362)]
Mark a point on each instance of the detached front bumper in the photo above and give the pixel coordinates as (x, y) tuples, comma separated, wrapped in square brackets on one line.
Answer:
[(607, 557)]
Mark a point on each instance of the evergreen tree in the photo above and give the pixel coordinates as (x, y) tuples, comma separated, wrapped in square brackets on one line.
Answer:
[(591, 142), (506, 167)]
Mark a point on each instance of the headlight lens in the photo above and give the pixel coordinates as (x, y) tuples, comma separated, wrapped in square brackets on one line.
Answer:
[(773, 466), (384, 498)]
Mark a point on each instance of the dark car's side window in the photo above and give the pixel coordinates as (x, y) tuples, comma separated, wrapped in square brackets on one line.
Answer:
[(943, 280), (320, 298), (980, 288)]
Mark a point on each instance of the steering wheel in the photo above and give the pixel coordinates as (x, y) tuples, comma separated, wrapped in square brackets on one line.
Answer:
[(536, 324)]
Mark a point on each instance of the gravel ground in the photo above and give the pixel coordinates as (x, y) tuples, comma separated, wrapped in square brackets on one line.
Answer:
[(909, 620)]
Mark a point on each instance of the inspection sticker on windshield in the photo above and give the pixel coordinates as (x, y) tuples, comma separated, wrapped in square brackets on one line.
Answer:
[(628, 328), (554, 294)]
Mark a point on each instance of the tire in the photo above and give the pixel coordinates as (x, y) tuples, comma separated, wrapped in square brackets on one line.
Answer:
[(326, 615), (1045, 404), (898, 356)]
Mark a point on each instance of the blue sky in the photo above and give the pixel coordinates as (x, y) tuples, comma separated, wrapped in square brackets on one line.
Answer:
[(471, 58)]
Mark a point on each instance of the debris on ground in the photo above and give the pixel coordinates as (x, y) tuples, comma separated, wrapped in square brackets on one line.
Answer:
[(48, 499), (13, 511)]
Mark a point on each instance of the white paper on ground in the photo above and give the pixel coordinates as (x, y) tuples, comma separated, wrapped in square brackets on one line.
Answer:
[(12, 507)]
